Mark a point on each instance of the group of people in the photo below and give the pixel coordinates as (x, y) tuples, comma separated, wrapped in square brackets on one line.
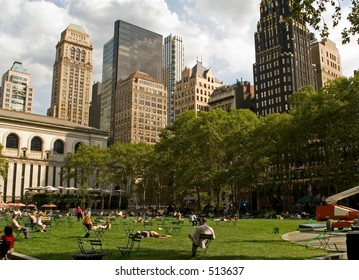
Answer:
[(38, 220)]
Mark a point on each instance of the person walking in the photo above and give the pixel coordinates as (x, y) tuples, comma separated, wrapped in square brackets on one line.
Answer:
[(79, 213)]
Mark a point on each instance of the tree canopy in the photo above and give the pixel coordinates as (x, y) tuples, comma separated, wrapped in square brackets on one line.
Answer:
[(313, 11)]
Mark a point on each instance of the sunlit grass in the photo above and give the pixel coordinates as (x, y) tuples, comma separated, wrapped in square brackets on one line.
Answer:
[(249, 239)]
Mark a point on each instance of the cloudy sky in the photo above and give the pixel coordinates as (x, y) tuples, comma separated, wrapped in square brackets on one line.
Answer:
[(220, 33)]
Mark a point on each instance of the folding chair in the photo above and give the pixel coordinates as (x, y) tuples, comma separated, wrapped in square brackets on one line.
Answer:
[(87, 254), (176, 226), (18, 233), (205, 240), (324, 239), (133, 243), (148, 225), (128, 226), (96, 245)]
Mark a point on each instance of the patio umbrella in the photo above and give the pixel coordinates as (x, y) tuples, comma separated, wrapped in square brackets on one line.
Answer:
[(49, 206), (51, 189), (19, 205), (31, 206), (71, 189)]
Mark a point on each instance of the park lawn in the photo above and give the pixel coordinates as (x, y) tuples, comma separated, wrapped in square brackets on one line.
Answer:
[(248, 239)]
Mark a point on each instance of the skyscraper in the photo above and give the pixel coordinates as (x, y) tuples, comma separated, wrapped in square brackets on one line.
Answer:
[(173, 65), (16, 92), (72, 76), (133, 49), (106, 88), (326, 58), (283, 60)]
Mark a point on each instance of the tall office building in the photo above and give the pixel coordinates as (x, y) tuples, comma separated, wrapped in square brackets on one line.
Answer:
[(326, 58), (140, 109), (173, 65), (106, 87), (133, 49), (16, 92), (194, 89), (283, 61), (72, 76)]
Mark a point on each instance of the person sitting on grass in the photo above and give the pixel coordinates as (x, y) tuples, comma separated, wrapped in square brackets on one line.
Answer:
[(90, 226), (8, 243)]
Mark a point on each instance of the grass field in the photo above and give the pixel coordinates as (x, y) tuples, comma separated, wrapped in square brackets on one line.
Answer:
[(248, 239)]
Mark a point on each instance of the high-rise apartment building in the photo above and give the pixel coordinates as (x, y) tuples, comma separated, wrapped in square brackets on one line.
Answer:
[(131, 49), (326, 58), (173, 65), (140, 109), (72, 76), (16, 92), (194, 89), (283, 60)]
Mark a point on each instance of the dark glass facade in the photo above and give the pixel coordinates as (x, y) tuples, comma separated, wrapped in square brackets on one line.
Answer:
[(283, 61), (134, 49)]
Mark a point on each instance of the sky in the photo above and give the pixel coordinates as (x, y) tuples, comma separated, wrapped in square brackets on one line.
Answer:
[(218, 33)]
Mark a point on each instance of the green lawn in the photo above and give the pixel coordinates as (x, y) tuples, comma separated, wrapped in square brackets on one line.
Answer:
[(249, 239)]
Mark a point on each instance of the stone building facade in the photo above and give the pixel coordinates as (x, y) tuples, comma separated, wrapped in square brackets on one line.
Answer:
[(35, 148)]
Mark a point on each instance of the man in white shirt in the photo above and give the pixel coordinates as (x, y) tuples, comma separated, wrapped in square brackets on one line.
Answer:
[(202, 229)]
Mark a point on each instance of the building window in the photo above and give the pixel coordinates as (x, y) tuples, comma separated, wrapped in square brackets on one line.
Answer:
[(59, 147), (12, 141), (77, 146), (36, 144)]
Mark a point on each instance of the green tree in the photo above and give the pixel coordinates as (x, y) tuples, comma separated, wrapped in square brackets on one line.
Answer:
[(312, 12), (88, 168), (328, 123), (128, 164), (244, 161)]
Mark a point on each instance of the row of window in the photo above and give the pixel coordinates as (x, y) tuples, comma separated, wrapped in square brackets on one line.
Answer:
[(12, 142)]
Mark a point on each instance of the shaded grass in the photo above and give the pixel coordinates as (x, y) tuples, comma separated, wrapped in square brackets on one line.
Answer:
[(249, 239)]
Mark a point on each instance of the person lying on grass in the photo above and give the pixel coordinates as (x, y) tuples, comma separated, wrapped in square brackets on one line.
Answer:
[(151, 233)]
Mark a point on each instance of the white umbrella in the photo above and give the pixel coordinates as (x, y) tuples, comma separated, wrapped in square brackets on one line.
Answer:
[(51, 189), (71, 189)]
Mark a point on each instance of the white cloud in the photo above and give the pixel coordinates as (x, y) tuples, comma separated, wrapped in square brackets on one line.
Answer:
[(218, 32)]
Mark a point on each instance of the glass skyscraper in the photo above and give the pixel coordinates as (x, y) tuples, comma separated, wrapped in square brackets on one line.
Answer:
[(133, 49)]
